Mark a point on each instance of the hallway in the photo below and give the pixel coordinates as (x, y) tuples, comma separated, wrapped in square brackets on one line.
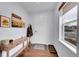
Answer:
[(41, 24)]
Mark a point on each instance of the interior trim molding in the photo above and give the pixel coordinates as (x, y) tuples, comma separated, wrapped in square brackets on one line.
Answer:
[(62, 4)]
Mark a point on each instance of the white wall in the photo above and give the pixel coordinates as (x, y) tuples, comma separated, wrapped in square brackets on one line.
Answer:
[(41, 23), (11, 33)]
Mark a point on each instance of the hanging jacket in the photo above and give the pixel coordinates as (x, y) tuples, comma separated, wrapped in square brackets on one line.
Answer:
[(29, 31)]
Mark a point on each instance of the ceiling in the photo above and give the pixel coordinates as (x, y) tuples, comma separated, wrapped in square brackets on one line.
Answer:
[(33, 7)]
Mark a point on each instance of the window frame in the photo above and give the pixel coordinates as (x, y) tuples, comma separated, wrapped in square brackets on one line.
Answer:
[(72, 47)]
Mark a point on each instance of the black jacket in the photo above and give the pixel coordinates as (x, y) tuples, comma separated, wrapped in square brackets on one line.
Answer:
[(29, 31)]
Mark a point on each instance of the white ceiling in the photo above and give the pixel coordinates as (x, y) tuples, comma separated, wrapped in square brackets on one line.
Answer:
[(33, 7)]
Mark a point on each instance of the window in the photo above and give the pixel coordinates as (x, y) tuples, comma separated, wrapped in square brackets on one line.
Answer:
[(68, 26)]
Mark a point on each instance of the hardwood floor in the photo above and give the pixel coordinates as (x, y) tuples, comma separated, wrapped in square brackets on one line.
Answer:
[(37, 52)]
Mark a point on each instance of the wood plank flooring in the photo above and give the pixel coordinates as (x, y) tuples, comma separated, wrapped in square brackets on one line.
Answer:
[(33, 52)]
